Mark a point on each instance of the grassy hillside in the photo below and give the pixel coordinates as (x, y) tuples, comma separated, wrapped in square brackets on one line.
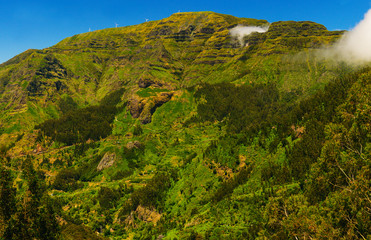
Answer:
[(173, 129)]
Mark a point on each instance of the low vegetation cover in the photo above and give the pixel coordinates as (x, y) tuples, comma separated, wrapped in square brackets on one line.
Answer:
[(259, 140)]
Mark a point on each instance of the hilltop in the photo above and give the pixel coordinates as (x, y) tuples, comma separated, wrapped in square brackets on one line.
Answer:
[(176, 129)]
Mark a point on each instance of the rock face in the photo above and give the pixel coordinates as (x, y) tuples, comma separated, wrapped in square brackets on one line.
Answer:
[(135, 106), (135, 144), (107, 161), (145, 214), (143, 108), (148, 215), (152, 104)]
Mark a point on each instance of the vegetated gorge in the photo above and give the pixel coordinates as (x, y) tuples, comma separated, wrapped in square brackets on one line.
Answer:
[(175, 129)]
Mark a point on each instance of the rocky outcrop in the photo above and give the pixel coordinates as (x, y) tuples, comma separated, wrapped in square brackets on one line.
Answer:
[(152, 104), (143, 213), (135, 144), (136, 105), (107, 161), (147, 214), (143, 108)]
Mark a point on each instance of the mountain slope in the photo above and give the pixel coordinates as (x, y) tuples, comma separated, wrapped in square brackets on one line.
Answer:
[(176, 129), (180, 51)]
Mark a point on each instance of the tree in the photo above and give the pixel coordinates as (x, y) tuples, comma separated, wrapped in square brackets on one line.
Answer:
[(35, 215), (7, 196)]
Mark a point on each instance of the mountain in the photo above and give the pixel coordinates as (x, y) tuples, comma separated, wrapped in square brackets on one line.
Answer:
[(177, 129)]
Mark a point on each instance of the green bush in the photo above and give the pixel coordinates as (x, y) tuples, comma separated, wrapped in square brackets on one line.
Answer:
[(67, 104), (78, 232), (153, 193), (247, 109), (107, 197), (80, 125), (88, 170), (67, 180), (228, 186), (120, 174)]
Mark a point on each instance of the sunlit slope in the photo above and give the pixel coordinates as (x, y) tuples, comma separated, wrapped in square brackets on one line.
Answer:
[(179, 51)]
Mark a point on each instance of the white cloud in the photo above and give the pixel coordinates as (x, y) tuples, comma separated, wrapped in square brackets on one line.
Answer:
[(240, 31), (355, 45)]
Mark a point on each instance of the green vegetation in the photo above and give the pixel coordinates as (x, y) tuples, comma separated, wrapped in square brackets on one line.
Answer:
[(80, 125), (172, 129), (33, 216)]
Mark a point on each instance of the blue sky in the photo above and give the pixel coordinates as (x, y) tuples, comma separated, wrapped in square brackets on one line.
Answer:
[(39, 24)]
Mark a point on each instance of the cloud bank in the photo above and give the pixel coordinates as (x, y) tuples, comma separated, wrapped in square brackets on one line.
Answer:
[(240, 32), (355, 46)]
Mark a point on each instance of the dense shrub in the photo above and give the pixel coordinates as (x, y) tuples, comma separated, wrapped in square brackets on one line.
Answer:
[(107, 197), (224, 151), (228, 186), (113, 98), (278, 173), (153, 193), (120, 174), (67, 104), (137, 130), (79, 125), (245, 108), (88, 170), (67, 180), (78, 232), (315, 113)]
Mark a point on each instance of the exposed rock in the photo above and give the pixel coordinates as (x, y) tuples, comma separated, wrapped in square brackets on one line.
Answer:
[(107, 161), (152, 104), (38, 149), (135, 144), (146, 115), (148, 46), (135, 106), (145, 107), (145, 82), (143, 214), (295, 29), (163, 97), (184, 35)]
